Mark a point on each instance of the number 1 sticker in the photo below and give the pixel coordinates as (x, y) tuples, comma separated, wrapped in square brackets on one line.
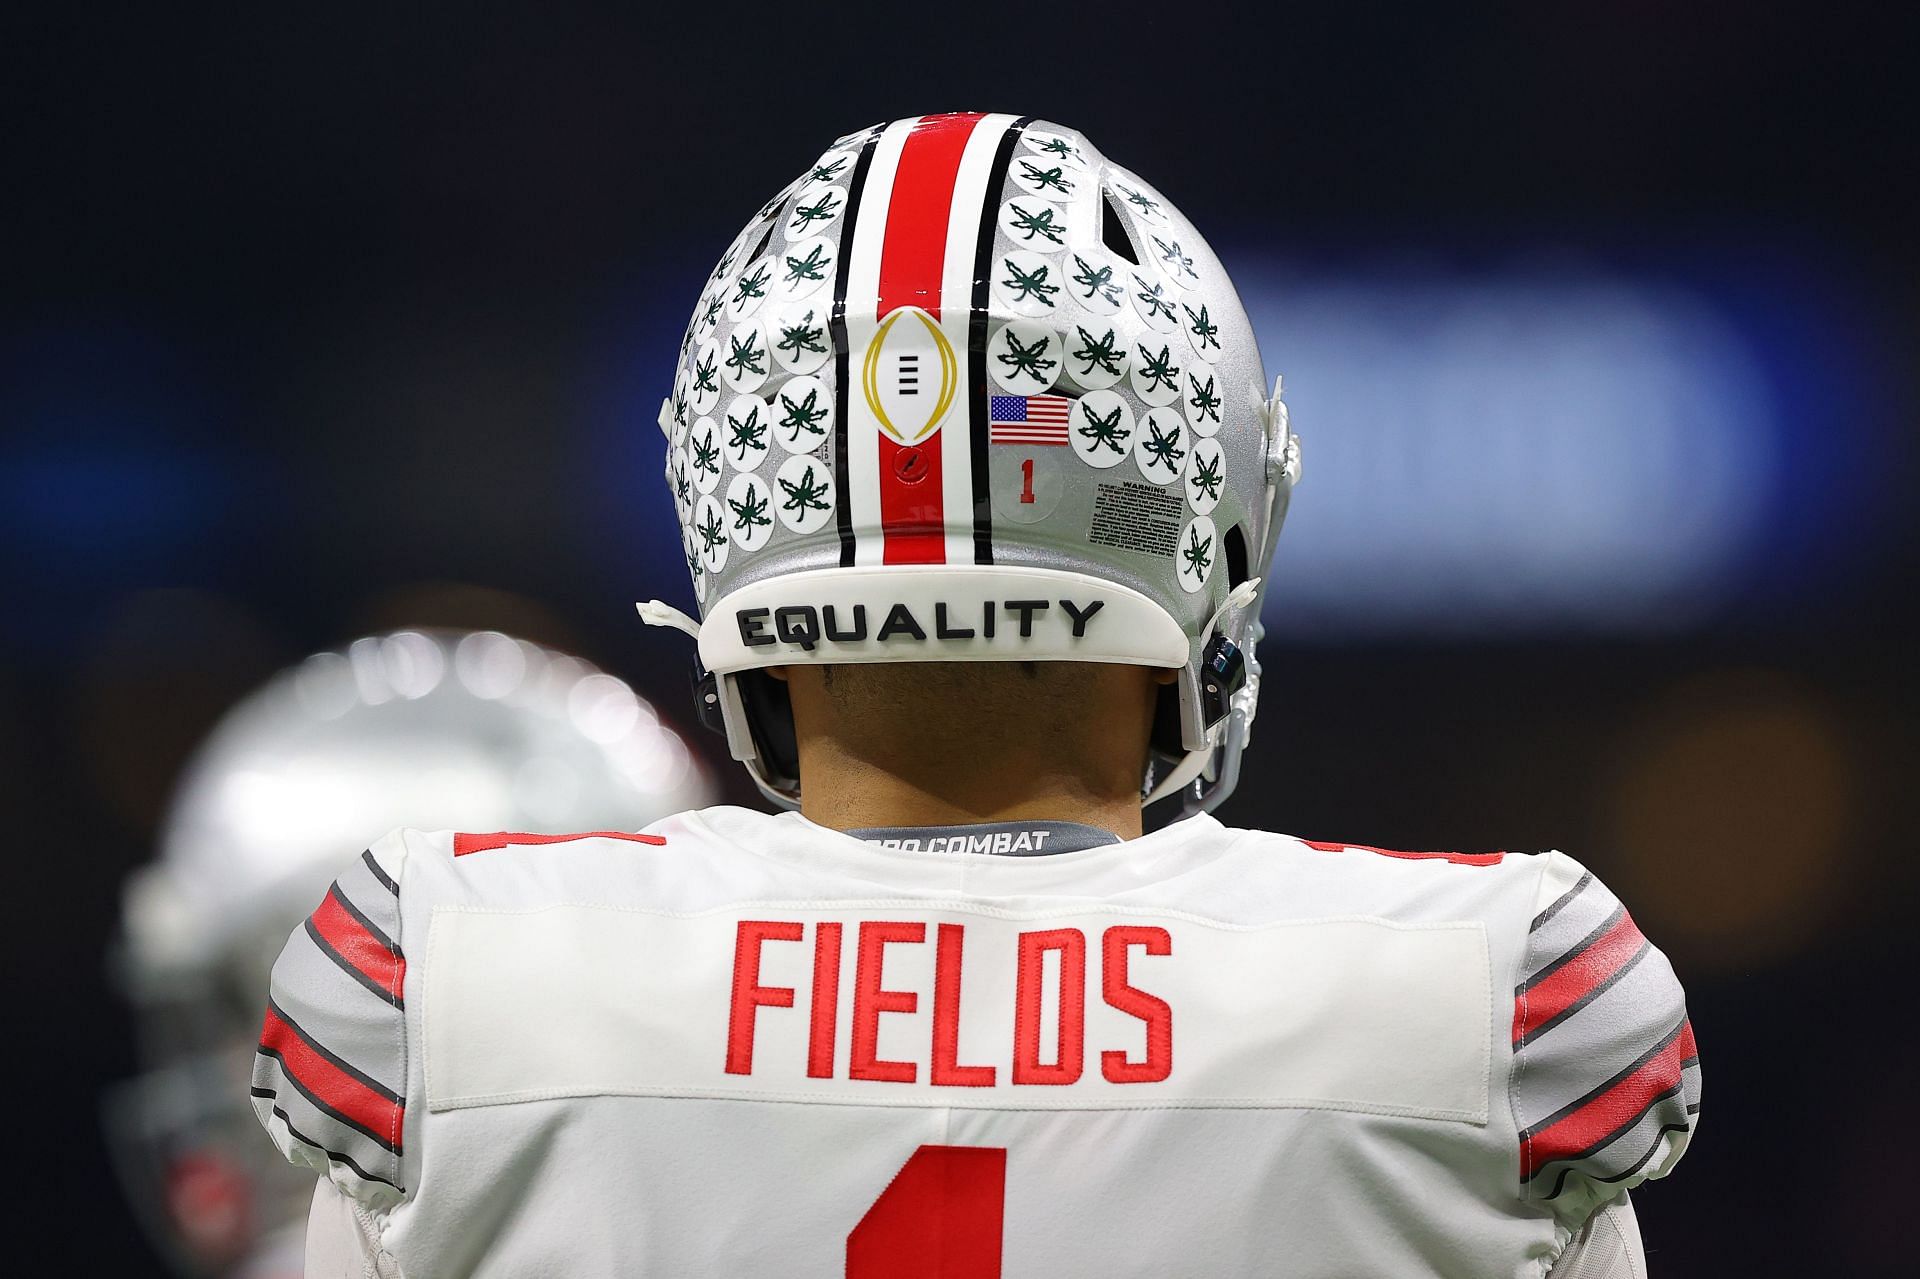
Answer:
[(1026, 485)]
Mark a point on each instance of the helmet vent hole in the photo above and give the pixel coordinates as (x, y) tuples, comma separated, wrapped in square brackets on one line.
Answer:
[(766, 238), (1113, 229), (1236, 547)]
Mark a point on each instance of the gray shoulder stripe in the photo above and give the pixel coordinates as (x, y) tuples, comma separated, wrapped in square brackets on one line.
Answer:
[(1606, 1035), (320, 1105), (356, 1023), (385, 879), (340, 961), (1573, 952), (346, 1067), (1622, 1129), (268, 1094), (1658, 1047), (1606, 1161), (1579, 887), (1653, 1148), (391, 946), (1602, 988), (373, 894)]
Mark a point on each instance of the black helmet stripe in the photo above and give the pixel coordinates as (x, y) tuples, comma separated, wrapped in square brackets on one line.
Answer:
[(977, 386), (843, 503)]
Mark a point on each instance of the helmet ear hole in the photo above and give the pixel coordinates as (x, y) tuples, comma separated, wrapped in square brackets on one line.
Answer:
[(1113, 230), (1168, 739), (1236, 548)]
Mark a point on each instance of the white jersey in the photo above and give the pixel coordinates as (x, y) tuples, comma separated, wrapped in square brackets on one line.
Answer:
[(741, 1043)]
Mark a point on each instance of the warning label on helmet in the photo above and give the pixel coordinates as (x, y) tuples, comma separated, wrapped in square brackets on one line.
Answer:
[(1136, 517)]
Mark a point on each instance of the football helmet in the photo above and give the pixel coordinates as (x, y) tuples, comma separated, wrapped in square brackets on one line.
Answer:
[(966, 390), (432, 730)]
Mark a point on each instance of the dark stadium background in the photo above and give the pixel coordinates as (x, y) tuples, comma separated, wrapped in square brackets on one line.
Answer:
[(316, 323)]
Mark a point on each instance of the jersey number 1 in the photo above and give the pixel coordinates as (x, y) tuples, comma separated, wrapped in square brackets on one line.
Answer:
[(939, 1218)]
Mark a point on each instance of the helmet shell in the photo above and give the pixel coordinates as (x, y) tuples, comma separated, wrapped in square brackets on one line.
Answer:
[(967, 390)]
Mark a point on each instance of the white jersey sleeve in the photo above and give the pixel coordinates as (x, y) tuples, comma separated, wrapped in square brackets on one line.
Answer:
[(343, 1240), (330, 1073), (1607, 1247), (1606, 1076)]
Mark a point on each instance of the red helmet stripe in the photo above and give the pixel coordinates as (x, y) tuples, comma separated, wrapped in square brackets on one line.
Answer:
[(912, 261), (931, 185), (914, 254)]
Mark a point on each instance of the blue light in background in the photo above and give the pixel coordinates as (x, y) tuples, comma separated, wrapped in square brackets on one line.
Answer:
[(80, 499), (115, 472), (1534, 449)]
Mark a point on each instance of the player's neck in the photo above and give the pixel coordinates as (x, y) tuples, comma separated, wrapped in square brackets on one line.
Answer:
[(948, 744), (847, 792)]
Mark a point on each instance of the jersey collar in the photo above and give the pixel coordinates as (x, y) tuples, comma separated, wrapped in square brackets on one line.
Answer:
[(1001, 839)]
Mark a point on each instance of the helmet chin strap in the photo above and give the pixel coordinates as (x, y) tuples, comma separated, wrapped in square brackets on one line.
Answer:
[(1239, 597), (661, 613)]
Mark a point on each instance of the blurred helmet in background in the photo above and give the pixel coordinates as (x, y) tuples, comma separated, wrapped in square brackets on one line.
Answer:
[(431, 730)]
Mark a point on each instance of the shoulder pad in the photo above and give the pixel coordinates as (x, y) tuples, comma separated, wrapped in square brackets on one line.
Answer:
[(1606, 1081), (330, 1073)]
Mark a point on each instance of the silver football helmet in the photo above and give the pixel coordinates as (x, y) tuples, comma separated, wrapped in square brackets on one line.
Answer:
[(432, 730), (966, 390)]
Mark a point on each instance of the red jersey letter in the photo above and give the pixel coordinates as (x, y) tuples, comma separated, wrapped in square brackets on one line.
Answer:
[(1136, 1003), (869, 1001), (946, 1015), (1027, 1066), (826, 1000), (748, 993)]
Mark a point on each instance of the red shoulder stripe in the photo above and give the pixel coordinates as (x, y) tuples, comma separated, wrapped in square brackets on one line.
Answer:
[(1612, 1111), (331, 1084), (1458, 859), (465, 843), (1576, 977), (359, 945)]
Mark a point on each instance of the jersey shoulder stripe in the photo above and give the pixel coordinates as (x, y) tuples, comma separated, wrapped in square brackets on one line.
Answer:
[(363, 951), (1606, 1075), (466, 843), (1603, 1117), (330, 1083), (1577, 978), (1457, 859), (329, 1076)]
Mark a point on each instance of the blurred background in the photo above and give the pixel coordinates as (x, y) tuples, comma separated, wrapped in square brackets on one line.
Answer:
[(1599, 328)]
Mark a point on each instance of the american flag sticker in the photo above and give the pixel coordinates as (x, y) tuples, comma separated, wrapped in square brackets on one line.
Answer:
[(1028, 419)]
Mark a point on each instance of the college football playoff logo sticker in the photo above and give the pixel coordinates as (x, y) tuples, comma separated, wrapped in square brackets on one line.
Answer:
[(910, 375)]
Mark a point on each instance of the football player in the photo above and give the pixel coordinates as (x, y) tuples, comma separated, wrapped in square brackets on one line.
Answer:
[(978, 476), (404, 728)]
